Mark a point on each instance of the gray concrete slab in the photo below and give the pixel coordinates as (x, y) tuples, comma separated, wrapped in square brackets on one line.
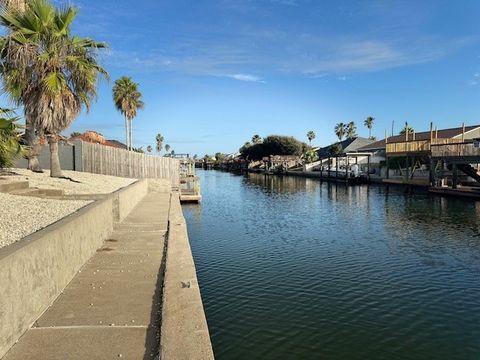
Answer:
[(148, 209), (107, 308), (92, 343), (116, 289)]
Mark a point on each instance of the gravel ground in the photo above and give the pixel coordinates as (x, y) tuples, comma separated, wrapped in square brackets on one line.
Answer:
[(87, 183), (24, 215)]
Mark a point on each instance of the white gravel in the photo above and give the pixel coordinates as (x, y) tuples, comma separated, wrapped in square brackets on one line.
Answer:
[(88, 183), (24, 215)]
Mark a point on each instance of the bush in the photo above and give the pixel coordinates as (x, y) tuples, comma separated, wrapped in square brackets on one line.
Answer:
[(282, 145), (10, 148), (272, 145), (311, 156)]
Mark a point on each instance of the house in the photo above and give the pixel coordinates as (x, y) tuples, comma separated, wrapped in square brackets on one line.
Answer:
[(97, 138), (341, 154), (343, 147), (428, 154), (421, 142)]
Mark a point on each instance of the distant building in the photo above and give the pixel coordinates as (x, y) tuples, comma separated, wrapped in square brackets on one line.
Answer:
[(343, 147), (97, 138)]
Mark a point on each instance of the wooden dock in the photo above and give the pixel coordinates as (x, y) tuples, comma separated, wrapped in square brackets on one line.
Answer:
[(469, 192), (189, 182)]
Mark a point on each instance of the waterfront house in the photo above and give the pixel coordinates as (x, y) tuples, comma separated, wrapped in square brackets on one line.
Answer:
[(342, 153), (414, 158)]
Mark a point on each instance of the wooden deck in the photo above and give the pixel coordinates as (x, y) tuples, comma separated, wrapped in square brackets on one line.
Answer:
[(417, 146), (462, 152)]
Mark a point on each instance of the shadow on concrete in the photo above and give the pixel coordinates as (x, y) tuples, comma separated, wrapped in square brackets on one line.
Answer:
[(152, 341)]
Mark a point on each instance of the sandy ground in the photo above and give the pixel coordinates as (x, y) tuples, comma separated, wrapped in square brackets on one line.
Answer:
[(87, 183), (24, 215)]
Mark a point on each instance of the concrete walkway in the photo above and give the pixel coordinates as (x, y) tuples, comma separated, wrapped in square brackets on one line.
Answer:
[(111, 309)]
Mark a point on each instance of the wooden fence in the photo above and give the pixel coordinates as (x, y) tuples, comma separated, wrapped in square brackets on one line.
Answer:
[(106, 160), (415, 146), (465, 149)]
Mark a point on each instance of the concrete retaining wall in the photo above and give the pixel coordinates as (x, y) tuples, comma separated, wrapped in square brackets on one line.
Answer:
[(184, 332), (128, 198), (35, 270)]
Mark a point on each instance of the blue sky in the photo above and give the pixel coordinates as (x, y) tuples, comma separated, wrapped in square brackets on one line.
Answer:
[(214, 73)]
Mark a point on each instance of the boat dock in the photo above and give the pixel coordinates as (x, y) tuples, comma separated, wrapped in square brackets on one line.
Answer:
[(189, 182)]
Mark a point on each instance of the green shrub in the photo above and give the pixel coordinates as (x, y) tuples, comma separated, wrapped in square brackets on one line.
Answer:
[(10, 148)]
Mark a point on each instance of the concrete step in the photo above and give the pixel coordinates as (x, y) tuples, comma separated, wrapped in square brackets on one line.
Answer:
[(52, 192), (13, 186), (36, 192), (26, 192)]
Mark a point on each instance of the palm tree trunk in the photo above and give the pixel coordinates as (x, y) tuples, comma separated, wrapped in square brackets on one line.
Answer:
[(126, 133), (55, 169), (33, 145), (369, 132), (131, 137)]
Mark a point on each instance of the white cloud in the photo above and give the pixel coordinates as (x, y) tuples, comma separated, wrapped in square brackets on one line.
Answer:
[(244, 77), (257, 50)]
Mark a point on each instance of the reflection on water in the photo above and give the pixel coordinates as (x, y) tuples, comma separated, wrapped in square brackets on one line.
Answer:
[(291, 268)]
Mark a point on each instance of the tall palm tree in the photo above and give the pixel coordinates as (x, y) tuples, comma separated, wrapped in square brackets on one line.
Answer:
[(30, 138), (369, 124), (51, 72), (128, 100), (310, 136), (351, 130), (340, 130), (159, 143)]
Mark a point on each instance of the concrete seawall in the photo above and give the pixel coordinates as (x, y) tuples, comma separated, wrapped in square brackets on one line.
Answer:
[(184, 332), (35, 270)]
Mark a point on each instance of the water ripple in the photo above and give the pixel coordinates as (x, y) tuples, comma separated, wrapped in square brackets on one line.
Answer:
[(291, 268)]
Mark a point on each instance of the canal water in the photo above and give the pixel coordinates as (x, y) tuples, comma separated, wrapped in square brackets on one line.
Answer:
[(291, 268)]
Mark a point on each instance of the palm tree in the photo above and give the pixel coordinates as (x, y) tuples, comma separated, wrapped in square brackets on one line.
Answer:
[(15, 4), (311, 156), (310, 136), (51, 72), (128, 100), (149, 149), (340, 130), (10, 148), (30, 137), (256, 139), (159, 141), (406, 129), (167, 148), (369, 124), (351, 130)]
